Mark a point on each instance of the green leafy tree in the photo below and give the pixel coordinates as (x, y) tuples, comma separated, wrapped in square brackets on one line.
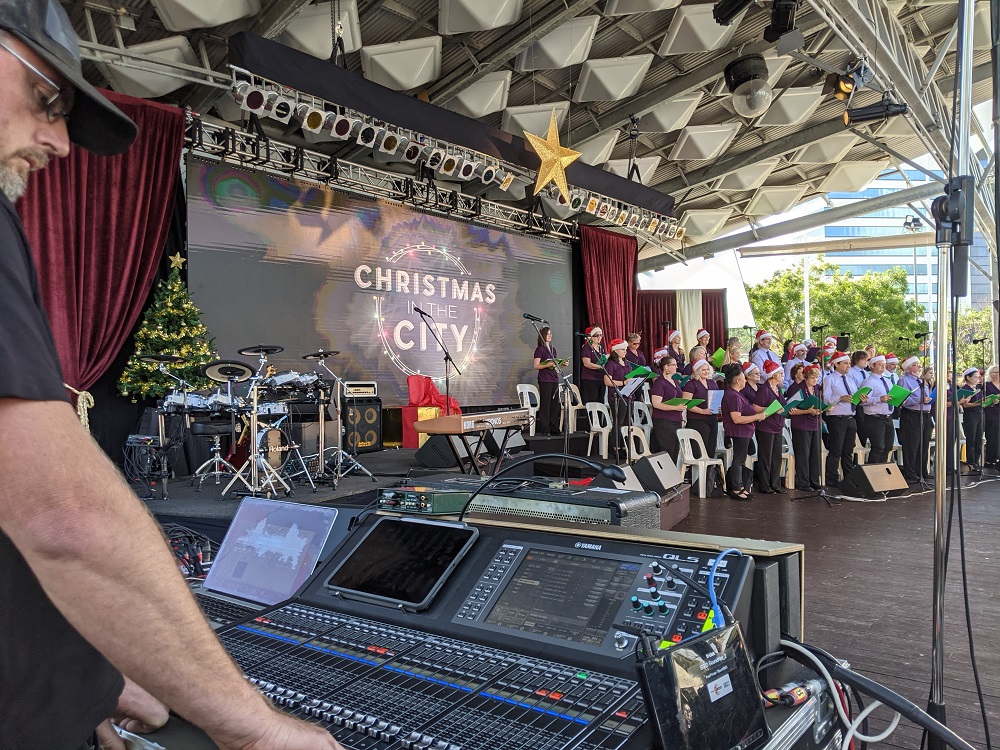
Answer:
[(873, 308), (972, 324), (172, 325)]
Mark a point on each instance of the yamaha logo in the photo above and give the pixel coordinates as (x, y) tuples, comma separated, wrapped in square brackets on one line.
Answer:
[(588, 545)]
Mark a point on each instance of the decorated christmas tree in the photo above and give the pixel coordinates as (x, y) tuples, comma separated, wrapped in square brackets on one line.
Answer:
[(172, 325)]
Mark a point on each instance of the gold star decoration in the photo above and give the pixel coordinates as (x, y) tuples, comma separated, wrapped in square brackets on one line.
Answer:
[(177, 260), (555, 158)]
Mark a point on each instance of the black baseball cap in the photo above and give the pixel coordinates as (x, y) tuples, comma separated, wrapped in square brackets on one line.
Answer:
[(95, 123)]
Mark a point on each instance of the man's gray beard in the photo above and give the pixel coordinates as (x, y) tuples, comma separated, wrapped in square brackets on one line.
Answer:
[(12, 184)]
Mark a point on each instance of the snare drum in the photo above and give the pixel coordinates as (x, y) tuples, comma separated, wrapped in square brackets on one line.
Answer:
[(223, 402), (272, 409), (175, 401), (282, 379)]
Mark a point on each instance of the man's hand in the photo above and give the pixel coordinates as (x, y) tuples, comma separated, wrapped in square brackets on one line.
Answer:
[(138, 711), (845, 398), (282, 732)]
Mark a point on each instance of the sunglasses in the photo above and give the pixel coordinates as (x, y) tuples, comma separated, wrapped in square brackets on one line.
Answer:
[(54, 106)]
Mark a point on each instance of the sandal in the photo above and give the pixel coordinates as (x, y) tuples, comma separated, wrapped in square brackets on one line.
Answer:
[(741, 494)]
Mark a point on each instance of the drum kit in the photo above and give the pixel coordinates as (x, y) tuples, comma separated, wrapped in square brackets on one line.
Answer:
[(258, 420)]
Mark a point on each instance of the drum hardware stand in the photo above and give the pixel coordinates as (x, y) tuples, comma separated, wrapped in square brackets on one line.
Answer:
[(216, 466), (160, 451), (335, 464), (255, 463)]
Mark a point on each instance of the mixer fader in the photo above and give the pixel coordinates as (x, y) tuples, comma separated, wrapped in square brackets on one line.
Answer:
[(520, 647)]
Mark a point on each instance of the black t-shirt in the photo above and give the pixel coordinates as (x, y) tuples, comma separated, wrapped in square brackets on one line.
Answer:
[(55, 688)]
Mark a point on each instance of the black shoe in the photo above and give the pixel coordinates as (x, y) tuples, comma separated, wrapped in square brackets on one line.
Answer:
[(816, 487), (800, 488), (779, 491)]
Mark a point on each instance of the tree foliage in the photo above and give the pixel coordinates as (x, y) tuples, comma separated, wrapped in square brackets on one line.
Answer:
[(873, 308), (974, 324)]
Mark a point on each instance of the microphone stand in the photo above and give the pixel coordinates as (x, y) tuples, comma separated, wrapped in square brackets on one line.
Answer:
[(448, 361), (565, 397)]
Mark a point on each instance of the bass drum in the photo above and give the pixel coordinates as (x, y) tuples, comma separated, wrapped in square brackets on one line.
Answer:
[(273, 443)]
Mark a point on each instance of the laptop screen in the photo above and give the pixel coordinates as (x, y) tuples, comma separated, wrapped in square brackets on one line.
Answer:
[(270, 549)]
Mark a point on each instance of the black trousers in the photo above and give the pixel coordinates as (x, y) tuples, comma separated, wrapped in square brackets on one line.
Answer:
[(709, 431), (860, 427), (972, 424), (768, 468), (734, 476), (808, 448), (992, 439), (665, 436), (620, 409), (840, 447), (881, 436), (548, 408), (592, 390), (916, 442)]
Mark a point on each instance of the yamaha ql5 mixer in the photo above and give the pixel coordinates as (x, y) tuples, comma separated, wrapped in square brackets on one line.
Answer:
[(422, 634)]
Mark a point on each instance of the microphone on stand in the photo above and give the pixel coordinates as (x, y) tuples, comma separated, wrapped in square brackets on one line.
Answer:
[(534, 318), (420, 312), (921, 335), (584, 335)]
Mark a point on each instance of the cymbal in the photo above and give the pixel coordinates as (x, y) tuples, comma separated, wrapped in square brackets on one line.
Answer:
[(224, 370), (165, 359), (320, 355), (264, 349)]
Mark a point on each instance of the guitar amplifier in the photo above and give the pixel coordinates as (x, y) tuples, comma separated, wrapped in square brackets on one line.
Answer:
[(360, 388), (600, 505)]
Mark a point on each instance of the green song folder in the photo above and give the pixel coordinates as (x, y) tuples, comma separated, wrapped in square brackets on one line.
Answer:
[(773, 408), (856, 398), (898, 394), (641, 372), (720, 354)]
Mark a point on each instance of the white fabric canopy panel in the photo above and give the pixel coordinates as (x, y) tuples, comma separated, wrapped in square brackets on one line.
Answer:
[(485, 96), (671, 115), (748, 178), (147, 84), (310, 30), (646, 165), (464, 16), (567, 45), (183, 15), (791, 108), (627, 7), (768, 201), (533, 118), (597, 150), (403, 65), (693, 29), (612, 78), (700, 142), (704, 223), (827, 151), (851, 176)]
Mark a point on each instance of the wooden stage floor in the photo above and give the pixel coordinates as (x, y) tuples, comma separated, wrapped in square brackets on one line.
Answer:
[(867, 585)]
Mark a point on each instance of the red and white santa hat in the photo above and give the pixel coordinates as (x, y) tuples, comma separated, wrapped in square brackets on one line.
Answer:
[(698, 363), (593, 331), (771, 367), (839, 357), (660, 354), (671, 335), (618, 344), (761, 335), (749, 367), (891, 359), (909, 362), (876, 358), (701, 333), (830, 340), (809, 368), (800, 348)]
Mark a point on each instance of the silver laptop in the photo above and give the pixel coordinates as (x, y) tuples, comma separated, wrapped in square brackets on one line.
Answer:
[(270, 550)]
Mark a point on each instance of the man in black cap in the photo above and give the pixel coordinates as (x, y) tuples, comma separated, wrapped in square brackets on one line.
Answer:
[(88, 588)]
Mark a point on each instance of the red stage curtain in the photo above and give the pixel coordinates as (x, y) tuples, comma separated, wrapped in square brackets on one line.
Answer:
[(653, 308), (713, 316), (97, 227), (609, 262)]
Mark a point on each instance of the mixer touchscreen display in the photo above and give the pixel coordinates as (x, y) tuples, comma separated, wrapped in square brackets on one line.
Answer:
[(402, 562), (562, 595)]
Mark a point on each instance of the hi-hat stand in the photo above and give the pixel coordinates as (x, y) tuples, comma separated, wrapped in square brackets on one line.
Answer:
[(256, 474)]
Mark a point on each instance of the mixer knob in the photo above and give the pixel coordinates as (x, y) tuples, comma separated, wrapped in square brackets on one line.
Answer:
[(650, 580), (670, 583), (636, 604), (647, 608), (621, 641), (657, 568), (653, 593), (662, 607)]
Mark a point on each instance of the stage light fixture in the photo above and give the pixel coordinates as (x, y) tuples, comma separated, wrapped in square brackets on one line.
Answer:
[(344, 127), (368, 134), (434, 157), (782, 19), (882, 110), (412, 152), (249, 97), (654, 225), (312, 119), (390, 143), (467, 169), (486, 173), (726, 10), (681, 231), (746, 79), (841, 86), (668, 229), (504, 179), (643, 223), (576, 200), (278, 107)]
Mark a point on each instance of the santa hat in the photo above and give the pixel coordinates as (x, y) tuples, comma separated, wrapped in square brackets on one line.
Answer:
[(877, 358), (660, 354), (830, 340), (809, 342), (891, 359), (809, 368), (749, 366), (593, 331), (840, 357), (699, 363), (970, 371), (771, 367), (762, 334), (701, 333), (671, 335), (909, 362), (618, 344), (800, 347)]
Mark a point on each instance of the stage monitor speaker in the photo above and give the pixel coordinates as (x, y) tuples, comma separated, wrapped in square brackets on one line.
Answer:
[(658, 473), (515, 443), (844, 344), (363, 425), (631, 481), (873, 481), (435, 453)]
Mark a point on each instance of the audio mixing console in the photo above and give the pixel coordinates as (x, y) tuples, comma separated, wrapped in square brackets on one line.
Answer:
[(525, 643)]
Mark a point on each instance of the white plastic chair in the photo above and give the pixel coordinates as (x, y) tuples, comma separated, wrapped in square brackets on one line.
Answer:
[(640, 446), (699, 466), (572, 410), (721, 449), (529, 399), (642, 417), (897, 449), (787, 458), (860, 451), (599, 416)]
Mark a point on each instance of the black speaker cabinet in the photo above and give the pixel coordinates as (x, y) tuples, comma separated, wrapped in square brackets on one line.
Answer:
[(631, 481), (658, 473), (362, 424), (873, 481), (436, 453)]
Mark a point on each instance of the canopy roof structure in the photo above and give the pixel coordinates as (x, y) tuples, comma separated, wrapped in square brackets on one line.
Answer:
[(509, 63)]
